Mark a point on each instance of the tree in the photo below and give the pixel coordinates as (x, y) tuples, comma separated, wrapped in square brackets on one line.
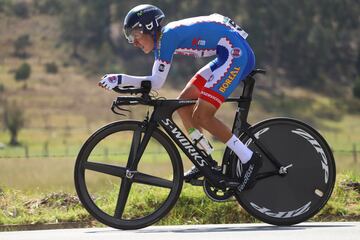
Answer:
[(315, 42), (72, 30), (51, 68), (356, 88), (23, 72), (20, 45), (310, 43), (21, 9), (50, 7), (85, 22), (13, 121), (5, 5)]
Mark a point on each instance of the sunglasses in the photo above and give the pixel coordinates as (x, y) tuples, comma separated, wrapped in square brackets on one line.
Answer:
[(133, 34)]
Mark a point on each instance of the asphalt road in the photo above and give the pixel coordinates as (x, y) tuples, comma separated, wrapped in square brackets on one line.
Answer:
[(304, 231)]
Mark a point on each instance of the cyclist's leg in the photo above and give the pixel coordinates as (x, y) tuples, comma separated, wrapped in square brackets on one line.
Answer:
[(234, 62), (204, 115), (192, 91), (185, 113), (239, 61)]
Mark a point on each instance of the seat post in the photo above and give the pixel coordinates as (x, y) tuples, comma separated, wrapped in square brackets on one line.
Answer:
[(240, 121), (249, 84)]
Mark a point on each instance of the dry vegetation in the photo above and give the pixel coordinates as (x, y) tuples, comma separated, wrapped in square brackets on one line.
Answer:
[(62, 109)]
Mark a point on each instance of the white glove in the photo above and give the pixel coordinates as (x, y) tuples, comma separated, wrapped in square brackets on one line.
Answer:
[(109, 81)]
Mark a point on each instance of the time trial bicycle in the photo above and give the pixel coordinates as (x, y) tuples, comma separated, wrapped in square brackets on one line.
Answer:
[(140, 160)]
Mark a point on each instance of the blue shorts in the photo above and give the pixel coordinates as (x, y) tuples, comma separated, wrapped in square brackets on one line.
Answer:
[(219, 78)]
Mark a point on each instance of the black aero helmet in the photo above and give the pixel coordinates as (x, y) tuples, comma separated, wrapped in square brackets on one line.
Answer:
[(146, 17)]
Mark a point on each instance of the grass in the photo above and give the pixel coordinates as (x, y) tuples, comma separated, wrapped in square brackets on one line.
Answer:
[(28, 208), (60, 117), (52, 154), (345, 202), (193, 207)]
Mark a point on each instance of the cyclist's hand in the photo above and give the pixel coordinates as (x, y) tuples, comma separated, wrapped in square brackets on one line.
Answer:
[(109, 81)]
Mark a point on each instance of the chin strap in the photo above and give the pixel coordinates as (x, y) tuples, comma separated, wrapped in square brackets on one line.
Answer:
[(156, 50), (155, 47)]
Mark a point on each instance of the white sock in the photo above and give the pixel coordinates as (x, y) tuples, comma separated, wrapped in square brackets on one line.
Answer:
[(242, 151)]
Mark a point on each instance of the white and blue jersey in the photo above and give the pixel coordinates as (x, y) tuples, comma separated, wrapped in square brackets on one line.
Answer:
[(205, 36)]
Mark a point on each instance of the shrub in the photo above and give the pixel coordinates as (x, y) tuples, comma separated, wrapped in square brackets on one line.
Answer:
[(20, 45), (23, 72), (4, 4), (2, 88), (51, 68), (21, 9), (356, 89), (14, 121), (50, 7)]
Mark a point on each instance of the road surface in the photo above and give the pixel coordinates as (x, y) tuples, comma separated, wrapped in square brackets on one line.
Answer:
[(304, 231)]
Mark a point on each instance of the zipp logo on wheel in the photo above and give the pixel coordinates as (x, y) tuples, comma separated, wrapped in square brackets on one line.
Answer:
[(318, 148)]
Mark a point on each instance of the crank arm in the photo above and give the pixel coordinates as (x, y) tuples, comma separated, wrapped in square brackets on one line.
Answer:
[(196, 182)]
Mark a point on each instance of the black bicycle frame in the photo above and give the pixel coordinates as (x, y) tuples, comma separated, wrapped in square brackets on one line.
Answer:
[(162, 115), (241, 125)]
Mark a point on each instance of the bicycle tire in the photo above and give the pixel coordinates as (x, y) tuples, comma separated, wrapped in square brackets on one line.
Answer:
[(305, 189), (98, 207)]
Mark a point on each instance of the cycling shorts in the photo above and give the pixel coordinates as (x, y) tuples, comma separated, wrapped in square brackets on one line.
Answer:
[(219, 78)]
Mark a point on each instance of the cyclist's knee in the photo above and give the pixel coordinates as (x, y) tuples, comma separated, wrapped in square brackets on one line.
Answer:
[(200, 118), (189, 92), (203, 112)]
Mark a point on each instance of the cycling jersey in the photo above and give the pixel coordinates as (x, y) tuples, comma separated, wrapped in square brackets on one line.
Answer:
[(203, 36)]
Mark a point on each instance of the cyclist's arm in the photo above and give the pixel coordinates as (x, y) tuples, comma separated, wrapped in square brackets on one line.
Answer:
[(160, 71), (161, 65)]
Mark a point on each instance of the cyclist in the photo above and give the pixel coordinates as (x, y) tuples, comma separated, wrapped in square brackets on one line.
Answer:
[(202, 36)]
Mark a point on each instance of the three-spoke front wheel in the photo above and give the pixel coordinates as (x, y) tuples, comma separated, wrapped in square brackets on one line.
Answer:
[(119, 191)]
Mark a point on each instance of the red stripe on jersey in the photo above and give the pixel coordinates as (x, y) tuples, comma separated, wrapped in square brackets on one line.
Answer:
[(198, 81)]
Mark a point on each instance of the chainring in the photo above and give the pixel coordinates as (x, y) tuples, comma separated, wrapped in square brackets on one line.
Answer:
[(216, 194)]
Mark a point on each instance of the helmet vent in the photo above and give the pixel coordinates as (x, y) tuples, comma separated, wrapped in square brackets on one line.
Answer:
[(149, 26)]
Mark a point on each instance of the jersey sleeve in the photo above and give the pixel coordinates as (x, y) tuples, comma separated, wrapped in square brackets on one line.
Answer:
[(168, 45), (159, 74)]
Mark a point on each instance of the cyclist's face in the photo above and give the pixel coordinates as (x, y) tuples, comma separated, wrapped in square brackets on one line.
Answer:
[(143, 41)]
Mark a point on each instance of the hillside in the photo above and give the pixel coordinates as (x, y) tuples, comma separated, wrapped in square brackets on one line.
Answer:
[(62, 109), (44, 96), (72, 93)]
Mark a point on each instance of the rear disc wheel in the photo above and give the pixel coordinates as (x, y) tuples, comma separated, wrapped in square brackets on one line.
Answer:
[(305, 188)]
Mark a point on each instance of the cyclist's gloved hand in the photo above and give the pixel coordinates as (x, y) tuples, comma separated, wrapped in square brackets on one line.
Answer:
[(109, 81)]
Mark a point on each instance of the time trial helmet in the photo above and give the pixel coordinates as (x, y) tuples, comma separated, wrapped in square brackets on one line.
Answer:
[(145, 17)]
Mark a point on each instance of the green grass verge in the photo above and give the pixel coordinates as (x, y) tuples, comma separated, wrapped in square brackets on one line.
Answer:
[(193, 207)]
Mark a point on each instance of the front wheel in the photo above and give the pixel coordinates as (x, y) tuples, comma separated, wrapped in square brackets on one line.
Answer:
[(118, 192), (309, 182)]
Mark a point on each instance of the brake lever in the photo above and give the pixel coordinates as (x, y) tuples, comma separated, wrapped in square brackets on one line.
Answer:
[(115, 112), (122, 109), (114, 105)]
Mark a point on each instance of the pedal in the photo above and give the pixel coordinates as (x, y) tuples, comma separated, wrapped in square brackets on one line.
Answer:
[(232, 184), (196, 182)]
